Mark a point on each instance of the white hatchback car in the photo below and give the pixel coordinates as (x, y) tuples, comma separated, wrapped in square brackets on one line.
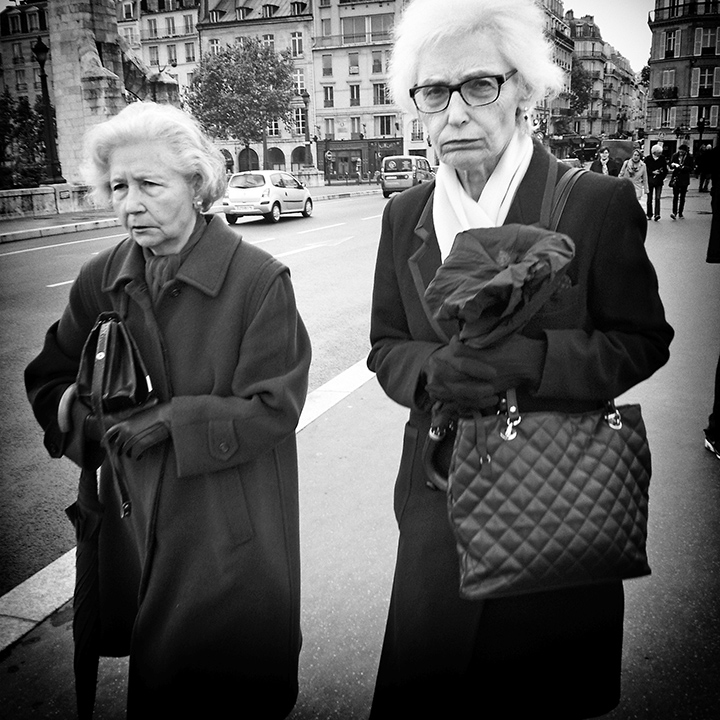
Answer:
[(270, 193)]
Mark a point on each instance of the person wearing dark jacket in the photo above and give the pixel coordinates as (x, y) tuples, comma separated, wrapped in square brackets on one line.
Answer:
[(657, 170), (681, 167), (604, 164), (470, 70), (200, 584)]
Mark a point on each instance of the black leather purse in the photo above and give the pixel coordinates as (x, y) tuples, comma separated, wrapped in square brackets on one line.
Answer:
[(112, 380), (112, 377)]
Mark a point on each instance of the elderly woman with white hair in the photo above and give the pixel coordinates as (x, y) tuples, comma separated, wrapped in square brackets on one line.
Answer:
[(472, 72), (200, 584)]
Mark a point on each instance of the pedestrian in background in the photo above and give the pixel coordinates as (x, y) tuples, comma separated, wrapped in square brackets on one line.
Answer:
[(681, 166), (634, 169), (200, 584), (470, 69), (703, 164), (604, 164), (657, 171)]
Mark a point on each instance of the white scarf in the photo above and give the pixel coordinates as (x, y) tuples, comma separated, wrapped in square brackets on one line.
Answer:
[(455, 211)]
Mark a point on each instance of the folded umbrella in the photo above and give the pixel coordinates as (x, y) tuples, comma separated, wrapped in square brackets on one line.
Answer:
[(86, 516)]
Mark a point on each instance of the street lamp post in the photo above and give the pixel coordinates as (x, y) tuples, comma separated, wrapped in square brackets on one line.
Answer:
[(53, 171), (305, 95)]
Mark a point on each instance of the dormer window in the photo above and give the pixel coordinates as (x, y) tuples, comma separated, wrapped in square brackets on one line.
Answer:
[(298, 8), (241, 11), (269, 10)]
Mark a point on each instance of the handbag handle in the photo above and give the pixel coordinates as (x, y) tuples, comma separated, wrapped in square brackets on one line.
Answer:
[(96, 398), (514, 418)]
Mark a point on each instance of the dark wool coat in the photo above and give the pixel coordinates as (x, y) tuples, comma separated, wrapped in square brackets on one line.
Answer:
[(681, 173), (201, 583), (554, 654)]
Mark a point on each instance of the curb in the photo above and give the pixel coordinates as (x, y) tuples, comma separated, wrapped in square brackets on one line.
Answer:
[(29, 604), (34, 233)]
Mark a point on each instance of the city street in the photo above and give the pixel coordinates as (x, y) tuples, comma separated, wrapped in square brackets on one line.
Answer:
[(331, 257), (348, 457)]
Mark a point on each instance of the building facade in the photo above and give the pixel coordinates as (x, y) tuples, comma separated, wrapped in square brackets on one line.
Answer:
[(615, 109), (684, 91), (20, 28)]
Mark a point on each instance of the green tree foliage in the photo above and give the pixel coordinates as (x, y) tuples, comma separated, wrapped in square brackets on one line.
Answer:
[(238, 91), (580, 89), (22, 144)]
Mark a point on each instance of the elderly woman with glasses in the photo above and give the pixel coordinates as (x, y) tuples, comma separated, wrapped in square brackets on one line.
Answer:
[(472, 71)]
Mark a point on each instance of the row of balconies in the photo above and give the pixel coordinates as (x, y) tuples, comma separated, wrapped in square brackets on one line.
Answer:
[(692, 8), (327, 41), (148, 35), (672, 93)]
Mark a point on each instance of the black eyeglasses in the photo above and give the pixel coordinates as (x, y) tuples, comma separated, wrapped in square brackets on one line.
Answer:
[(475, 91)]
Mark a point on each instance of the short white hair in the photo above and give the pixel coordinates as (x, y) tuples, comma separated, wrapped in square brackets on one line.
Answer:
[(194, 155), (517, 26)]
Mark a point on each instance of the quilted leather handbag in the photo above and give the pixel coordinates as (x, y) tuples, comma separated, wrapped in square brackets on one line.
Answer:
[(549, 500)]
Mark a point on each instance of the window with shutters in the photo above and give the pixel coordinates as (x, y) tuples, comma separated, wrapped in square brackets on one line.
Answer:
[(706, 41), (354, 95)]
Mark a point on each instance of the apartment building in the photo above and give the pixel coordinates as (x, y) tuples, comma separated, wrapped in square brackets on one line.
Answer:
[(551, 117), (684, 92), (20, 28), (614, 110), (164, 34)]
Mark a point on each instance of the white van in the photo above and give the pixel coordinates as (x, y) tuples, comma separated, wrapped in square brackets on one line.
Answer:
[(399, 172)]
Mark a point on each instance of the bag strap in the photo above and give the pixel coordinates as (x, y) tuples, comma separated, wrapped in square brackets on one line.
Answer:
[(99, 368), (561, 195)]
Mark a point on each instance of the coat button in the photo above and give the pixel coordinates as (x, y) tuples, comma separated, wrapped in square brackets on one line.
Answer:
[(175, 292), (224, 448)]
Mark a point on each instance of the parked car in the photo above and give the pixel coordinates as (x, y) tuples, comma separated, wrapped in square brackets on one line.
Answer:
[(572, 162), (270, 193), (399, 172)]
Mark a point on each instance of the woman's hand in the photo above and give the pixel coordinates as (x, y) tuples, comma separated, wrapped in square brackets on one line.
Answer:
[(517, 361), (139, 432), (456, 373)]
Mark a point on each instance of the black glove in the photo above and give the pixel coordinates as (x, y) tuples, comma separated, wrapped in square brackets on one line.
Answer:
[(458, 375), (135, 434), (517, 361)]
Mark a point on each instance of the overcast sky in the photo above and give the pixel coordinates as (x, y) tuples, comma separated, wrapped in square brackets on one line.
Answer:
[(623, 23)]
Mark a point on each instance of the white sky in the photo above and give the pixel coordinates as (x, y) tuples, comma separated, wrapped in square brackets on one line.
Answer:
[(623, 23)]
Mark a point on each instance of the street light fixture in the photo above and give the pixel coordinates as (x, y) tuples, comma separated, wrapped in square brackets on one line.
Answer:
[(305, 95), (53, 171)]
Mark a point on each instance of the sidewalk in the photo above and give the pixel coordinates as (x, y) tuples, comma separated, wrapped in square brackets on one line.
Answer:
[(346, 514), (27, 228), (349, 443)]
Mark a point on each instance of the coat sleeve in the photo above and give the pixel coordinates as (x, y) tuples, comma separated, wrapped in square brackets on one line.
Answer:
[(212, 433), (395, 357), (49, 374), (628, 338)]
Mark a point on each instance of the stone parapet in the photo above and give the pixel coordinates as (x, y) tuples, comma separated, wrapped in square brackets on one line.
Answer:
[(44, 201)]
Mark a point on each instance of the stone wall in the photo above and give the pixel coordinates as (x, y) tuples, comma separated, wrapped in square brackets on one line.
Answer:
[(44, 201), (88, 87)]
